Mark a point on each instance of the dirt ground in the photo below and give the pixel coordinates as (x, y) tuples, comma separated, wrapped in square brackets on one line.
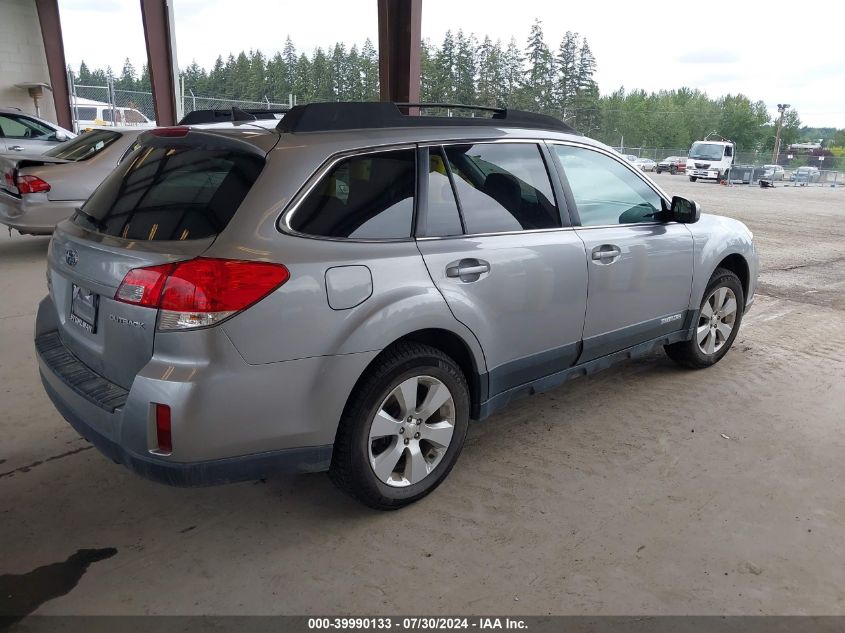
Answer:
[(645, 489)]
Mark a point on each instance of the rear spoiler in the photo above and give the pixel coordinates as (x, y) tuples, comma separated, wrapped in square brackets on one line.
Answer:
[(231, 115)]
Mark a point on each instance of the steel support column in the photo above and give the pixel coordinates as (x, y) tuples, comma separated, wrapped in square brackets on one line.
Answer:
[(399, 37), (161, 56), (54, 50)]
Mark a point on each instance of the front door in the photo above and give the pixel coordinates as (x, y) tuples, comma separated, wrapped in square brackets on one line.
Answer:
[(492, 240), (640, 269)]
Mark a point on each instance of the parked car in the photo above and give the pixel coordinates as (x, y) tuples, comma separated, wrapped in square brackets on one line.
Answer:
[(646, 164), (346, 291), (88, 114), (22, 132), (806, 174), (772, 172), (39, 191), (672, 164), (631, 158)]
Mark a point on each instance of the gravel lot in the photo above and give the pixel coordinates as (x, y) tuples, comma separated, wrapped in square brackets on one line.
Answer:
[(645, 489)]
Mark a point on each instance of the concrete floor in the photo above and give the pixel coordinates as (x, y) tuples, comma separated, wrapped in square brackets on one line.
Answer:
[(645, 489)]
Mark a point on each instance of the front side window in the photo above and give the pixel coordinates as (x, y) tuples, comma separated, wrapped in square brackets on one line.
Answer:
[(502, 187), (23, 127), (605, 191), (370, 196), (84, 146)]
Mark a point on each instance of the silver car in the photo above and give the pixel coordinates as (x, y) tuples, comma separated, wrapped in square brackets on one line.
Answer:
[(347, 291), (39, 191), (23, 132)]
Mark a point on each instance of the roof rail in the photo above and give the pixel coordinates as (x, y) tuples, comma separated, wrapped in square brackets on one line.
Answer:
[(353, 115), (230, 115)]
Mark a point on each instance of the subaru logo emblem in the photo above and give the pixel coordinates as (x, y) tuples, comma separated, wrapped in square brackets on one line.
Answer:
[(71, 257)]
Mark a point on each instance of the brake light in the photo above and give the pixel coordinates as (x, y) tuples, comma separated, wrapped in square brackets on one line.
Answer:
[(175, 131), (31, 184), (164, 437), (200, 292)]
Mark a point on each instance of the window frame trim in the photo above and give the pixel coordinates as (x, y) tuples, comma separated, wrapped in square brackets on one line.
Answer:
[(576, 216), (561, 201), (283, 221)]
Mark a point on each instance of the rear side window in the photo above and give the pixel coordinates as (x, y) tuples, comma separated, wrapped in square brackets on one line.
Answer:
[(442, 217), (174, 192), (362, 197), (502, 187), (85, 114)]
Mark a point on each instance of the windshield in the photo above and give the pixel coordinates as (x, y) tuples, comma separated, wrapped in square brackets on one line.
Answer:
[(706, 151), (84, 146)]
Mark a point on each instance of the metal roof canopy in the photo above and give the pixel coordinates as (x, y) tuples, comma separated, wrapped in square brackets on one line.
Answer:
[(399, 35)]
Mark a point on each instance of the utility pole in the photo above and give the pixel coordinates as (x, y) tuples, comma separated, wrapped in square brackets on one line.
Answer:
[(782, 108)]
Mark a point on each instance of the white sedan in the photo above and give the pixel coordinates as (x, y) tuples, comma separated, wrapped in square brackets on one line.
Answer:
[(646, 164)]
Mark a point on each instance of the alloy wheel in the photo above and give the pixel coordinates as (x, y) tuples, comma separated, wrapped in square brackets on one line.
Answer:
[(411, 431), (716, 320)]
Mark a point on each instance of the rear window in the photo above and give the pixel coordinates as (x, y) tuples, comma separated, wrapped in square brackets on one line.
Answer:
[(171, 193), (84, 146)]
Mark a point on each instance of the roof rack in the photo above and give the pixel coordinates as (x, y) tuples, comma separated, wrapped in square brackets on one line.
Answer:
[(230, 115), (353, 115)]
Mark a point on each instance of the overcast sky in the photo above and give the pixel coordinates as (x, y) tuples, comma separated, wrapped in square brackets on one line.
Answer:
[(774, 51)]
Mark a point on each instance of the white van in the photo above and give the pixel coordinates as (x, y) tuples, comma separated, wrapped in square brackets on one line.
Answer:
[(95, 114)]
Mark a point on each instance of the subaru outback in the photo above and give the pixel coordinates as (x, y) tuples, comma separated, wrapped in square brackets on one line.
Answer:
[(346, 291)]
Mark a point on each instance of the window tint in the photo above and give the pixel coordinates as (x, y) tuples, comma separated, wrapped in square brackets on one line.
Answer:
[(502, 187), (84, 146), (23, 127), (107, 115), (171, 193), (85, 113), (442, 217), (605, 191), (363, 197)]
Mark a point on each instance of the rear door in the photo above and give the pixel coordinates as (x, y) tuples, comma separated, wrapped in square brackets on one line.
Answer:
[(491, 234), (166, 202), (640, 268)]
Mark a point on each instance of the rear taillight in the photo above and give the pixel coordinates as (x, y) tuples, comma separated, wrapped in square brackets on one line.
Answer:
[(31, 184), (200, 292), (164, 437)]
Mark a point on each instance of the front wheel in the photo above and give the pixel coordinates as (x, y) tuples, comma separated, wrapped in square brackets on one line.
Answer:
[(692, 178), (673, 170), (718, 323), (403, 428)]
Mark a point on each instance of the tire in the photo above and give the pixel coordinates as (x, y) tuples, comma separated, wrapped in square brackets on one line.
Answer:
[(374, 407), (693, 178), (694, 352)]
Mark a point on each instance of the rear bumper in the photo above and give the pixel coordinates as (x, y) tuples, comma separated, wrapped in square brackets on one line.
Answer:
[(205, 473), (232, 421), (35, 214)]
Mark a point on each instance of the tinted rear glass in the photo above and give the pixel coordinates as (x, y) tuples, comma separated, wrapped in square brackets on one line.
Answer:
[(84, 146), (171, 193)]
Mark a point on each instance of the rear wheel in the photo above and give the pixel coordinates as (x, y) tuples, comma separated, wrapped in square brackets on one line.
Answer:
[(692, 178), (718, 323), (403, 429)]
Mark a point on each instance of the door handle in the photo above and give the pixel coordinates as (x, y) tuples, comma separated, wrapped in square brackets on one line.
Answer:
[(17, 148), (606, 253), (467, 269)]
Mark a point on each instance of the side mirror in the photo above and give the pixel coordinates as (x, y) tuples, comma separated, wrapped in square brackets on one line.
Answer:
[(60, 136), (684, 211)]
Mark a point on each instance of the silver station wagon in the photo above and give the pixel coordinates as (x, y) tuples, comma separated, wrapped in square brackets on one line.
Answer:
[(346, 291)]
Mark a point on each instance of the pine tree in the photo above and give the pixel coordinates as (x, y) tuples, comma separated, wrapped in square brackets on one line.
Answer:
[(513, 74), (444, 80), (339, 72), (567, 75), (353, 76), (539, 75), (464, 86), (369, 72), (84, 76), (256, 87), (127, 78), (303, 87)]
